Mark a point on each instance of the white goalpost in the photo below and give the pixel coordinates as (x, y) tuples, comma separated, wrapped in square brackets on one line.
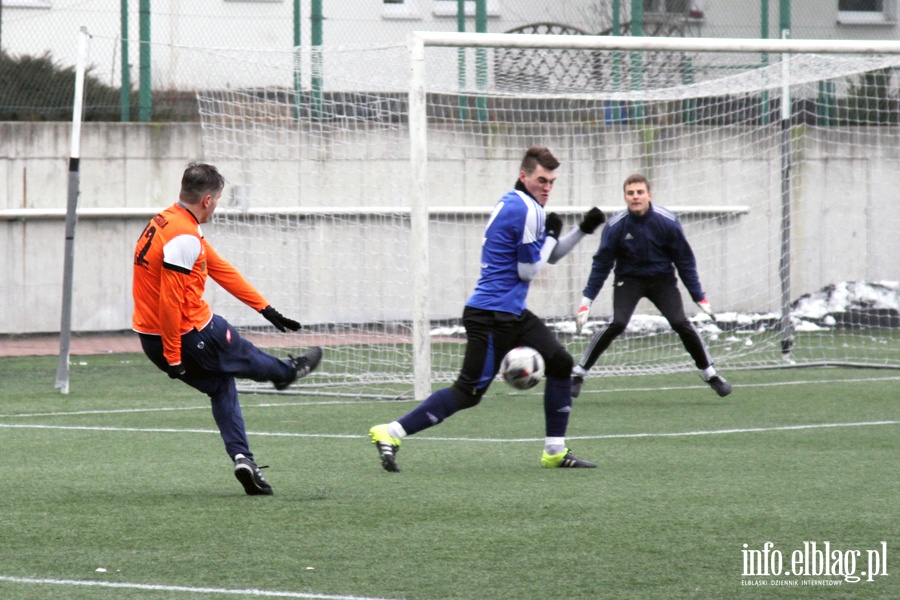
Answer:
[(357, 204)]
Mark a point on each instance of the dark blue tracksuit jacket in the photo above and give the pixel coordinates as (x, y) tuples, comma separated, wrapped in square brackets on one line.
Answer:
[(652, 245)]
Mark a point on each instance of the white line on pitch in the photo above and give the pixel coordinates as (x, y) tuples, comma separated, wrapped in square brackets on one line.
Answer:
[(742, 385), (614, 436), (115, 411), (609, 436), (246, 405), (181, 588), (171, 430), (727, 431)]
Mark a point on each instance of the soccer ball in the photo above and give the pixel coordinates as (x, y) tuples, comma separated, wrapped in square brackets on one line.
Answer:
[(522, 367)]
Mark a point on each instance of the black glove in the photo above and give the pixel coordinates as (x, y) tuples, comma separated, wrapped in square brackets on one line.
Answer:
[(593, 219), (553, 225), (177, 371), (278, 320)]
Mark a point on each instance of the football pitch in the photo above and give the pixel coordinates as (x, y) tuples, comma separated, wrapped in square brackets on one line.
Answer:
[(122, 490)]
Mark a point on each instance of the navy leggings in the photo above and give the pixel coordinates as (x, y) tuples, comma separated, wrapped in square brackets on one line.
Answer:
[(213, 358)]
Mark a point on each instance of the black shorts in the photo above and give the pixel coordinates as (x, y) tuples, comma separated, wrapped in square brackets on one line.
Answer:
[(491, 334)]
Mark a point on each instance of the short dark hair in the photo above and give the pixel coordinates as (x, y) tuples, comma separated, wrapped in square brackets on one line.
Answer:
[(636, 178), (538, 155), (198, 180)]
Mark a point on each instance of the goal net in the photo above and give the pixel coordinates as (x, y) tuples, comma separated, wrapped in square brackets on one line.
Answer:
[(361, 180)]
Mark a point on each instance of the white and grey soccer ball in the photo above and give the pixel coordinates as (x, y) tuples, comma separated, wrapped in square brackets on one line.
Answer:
[(522, 368)]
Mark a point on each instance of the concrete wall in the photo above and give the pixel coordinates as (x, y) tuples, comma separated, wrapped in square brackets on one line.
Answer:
[(338, 265), (122, 165)]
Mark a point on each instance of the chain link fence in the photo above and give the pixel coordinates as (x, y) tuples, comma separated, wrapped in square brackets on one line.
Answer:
[(38, 37)]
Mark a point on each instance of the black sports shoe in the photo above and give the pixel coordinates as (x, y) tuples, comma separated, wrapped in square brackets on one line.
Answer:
[(565, 460), (718, 383), (577, 380), (302, 366), (250, 477)]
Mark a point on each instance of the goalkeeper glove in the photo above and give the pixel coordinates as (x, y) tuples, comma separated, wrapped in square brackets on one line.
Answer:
[(278, 320), (581, 316), (177, 371), (705, 307), (593, 219), (553, 225)]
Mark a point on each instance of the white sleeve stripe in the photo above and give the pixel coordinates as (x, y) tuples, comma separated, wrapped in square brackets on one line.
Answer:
[(533, 221), (665, 212), (617, 217), (181, 252)]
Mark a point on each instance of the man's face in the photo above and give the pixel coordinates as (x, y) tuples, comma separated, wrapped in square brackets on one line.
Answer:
[(539, 183), (638, 197)]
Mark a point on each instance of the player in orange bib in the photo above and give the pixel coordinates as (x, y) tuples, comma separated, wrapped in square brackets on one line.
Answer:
[(179, 331)]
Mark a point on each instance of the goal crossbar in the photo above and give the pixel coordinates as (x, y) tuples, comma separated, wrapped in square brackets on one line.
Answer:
[(603, 42)]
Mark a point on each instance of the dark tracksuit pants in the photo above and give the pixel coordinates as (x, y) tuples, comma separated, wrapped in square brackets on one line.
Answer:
[(664, 294), (213, 357)]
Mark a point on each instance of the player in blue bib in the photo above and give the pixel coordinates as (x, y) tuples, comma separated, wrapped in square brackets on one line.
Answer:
[(519, 240)]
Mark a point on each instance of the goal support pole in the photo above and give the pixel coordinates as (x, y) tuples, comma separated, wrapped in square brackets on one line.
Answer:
[(65, 327), (418, 151), (787, 329)]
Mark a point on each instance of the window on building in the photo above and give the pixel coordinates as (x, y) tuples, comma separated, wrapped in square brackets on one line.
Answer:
[(401, 9), (26, 3), (863, 5), (690, 8), (867, 12), (448, 8), (668, 6)]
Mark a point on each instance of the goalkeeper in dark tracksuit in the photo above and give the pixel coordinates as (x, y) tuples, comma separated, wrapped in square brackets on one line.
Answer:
[(519, 241), (646, 244)]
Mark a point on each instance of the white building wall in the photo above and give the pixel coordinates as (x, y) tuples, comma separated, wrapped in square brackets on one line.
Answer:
[(255, 25)]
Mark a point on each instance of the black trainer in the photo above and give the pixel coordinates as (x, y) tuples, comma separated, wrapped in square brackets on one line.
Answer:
[(718, 383), (250, 477), (302, 366), (577, 380), (565, 460)]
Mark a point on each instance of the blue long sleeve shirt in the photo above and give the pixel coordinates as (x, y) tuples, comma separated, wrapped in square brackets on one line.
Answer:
[(515, 234), (650, 245)]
